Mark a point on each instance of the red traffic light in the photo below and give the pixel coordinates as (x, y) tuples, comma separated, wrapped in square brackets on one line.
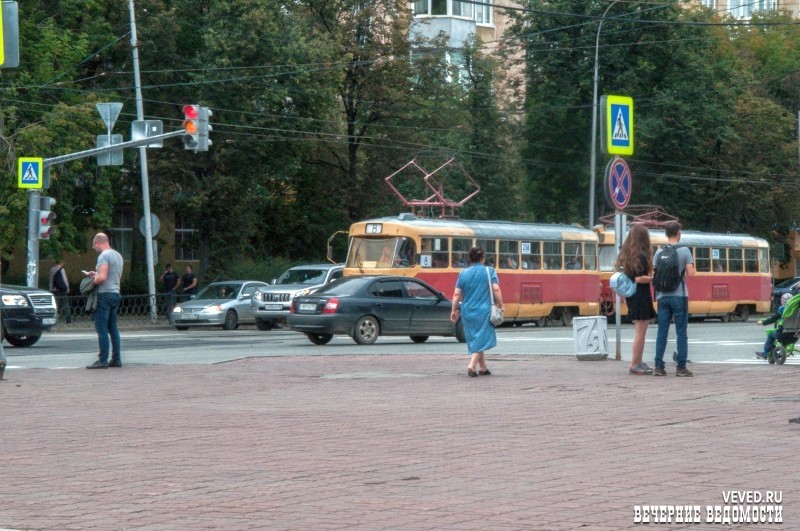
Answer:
[(191, 112)]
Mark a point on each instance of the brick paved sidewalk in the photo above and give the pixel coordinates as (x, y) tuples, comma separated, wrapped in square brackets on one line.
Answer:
[(390, 442)]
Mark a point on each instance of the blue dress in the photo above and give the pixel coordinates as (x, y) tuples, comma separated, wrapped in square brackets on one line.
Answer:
[(475, 306)]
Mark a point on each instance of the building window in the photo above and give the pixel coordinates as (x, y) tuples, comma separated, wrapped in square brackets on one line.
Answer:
[(185, 243), (483, 12), (744, 9), (121, 234), (709, 4), (480, 13)]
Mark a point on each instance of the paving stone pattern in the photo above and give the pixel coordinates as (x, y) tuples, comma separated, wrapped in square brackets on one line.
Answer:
[(390, 442)]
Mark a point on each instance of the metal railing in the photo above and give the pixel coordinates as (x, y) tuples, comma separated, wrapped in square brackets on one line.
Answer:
[(134, 310)]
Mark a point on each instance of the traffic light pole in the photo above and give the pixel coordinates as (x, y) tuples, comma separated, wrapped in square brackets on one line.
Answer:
[(32, 267)]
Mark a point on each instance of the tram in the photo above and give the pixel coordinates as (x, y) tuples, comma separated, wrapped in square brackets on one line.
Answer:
[(548, 272), (733, 277)]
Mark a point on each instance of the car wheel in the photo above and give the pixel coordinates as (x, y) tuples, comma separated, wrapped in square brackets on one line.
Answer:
[(461, 337), (780, 355), (419, 339), (231, 321), (181, 328), (367, 330), (264, 325), (23, 341), (319, 339)]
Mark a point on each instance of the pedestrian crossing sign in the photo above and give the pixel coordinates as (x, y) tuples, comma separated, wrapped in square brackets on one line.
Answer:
[(30, 172), (617, 129)]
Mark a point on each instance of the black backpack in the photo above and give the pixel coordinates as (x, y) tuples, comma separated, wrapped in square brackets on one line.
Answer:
[(668, 274)]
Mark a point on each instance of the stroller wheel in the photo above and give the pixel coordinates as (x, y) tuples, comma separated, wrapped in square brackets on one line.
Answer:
[(779, 355)]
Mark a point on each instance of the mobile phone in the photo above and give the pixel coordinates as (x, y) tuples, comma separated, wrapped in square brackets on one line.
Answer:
[(84, 272)]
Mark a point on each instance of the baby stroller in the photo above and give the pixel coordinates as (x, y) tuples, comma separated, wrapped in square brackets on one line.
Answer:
[(788, 332)]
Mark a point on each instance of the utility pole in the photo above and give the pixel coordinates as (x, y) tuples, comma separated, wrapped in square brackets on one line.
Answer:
[(148, 228)]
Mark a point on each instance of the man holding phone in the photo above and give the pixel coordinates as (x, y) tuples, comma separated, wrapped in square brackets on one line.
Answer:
[(107, 277)]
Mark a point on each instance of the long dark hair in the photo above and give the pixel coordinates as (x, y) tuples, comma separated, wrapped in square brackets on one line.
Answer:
[(635, 247)]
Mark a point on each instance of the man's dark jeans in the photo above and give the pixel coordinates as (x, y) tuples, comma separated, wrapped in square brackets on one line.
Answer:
[(105, 322), (669, 307)]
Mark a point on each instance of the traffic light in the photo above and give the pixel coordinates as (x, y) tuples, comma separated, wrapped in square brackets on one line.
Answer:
[(191, 127), (46, 217), (204, 128)]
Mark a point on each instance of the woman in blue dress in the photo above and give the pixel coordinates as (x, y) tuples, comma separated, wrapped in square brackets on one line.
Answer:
[(473, 292)]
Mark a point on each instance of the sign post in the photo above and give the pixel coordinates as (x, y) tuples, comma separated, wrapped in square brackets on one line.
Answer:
[(619, 184)]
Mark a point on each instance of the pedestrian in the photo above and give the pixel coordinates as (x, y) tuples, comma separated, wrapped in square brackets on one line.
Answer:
[(169, 281), (188, 284), (772, 336), (476, 294), (58, 283), (675, 263), (107, 276), (636, 262)]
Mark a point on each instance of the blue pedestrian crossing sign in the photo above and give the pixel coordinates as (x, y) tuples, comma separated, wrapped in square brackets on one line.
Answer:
[(30, 172), (617, 128)]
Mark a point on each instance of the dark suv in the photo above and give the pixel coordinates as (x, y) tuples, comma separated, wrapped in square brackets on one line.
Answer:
[(790, 285), (26, 313)]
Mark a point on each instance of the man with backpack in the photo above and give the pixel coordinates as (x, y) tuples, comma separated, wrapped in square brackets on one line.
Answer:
[(673, 263)]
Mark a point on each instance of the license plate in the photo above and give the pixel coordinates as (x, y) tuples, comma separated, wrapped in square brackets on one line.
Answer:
[(274, 307), (49, 321), (308, 307), (188, 316)]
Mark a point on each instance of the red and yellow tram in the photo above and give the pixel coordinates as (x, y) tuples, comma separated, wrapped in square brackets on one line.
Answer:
[(548, 272), (733, 277)]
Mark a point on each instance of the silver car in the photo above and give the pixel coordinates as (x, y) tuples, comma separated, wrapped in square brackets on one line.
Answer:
[(225, 304), (270, 305)]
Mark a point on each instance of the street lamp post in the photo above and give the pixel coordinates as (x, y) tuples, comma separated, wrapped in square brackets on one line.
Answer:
[(593, 157)]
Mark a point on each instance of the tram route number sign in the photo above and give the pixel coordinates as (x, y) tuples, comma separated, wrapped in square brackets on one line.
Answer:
[(619, 183)]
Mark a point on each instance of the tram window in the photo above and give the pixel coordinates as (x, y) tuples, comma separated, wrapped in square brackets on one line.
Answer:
[(590, 256), (461, 247), (435, 252), (509, 255), (720, 257), (533, 258), (406, 252), (735, 262), (552, 255), (751, 260), (763, 260), (702, 259), (490, 249), (608, 258), (573, 259)]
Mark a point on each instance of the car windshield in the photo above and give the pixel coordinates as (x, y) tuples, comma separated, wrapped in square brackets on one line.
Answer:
[(343, 286), (218, 291), (787, 283), (303, 276)]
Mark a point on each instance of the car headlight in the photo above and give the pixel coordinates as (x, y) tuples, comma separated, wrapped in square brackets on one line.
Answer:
[(15, 300), (177, 309), (259, 296), (302, 292)]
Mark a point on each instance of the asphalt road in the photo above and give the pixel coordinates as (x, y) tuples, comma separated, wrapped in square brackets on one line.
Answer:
[(709, 342)]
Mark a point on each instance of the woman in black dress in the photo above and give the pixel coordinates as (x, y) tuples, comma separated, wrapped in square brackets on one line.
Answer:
[(636, 260)]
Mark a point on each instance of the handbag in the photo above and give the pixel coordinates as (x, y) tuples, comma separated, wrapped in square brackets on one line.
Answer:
[(496, 315)]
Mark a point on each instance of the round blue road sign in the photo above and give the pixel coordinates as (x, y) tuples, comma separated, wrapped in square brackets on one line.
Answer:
[(620, 182)]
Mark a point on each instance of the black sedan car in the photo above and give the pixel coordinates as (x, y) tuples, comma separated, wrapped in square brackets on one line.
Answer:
[(366, 307)]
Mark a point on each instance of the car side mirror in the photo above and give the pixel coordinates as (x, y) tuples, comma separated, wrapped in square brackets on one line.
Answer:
[(273, 281)]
